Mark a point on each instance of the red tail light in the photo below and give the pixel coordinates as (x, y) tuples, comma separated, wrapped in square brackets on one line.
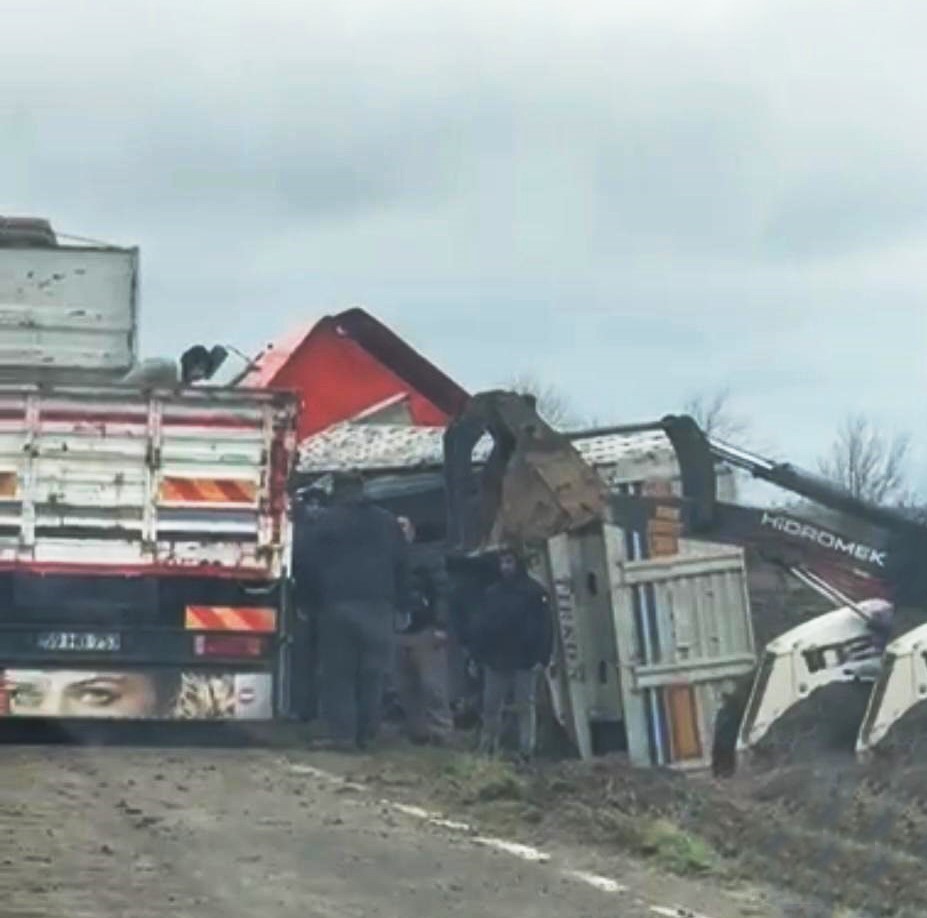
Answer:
[(228, 645)]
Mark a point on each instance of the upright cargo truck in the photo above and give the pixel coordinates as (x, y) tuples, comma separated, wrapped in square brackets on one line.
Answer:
[(144, 535)]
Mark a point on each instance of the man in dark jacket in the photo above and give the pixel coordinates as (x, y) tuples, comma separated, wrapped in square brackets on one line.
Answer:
[(471, 577), (422, 677), (513, 639), (354, 563), (307, 506)]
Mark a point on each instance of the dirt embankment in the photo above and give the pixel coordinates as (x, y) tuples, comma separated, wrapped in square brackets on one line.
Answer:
[(847, 836), (804, 815)]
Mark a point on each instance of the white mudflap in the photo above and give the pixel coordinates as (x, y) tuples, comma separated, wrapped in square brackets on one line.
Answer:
[(836, 647), (901, 685)]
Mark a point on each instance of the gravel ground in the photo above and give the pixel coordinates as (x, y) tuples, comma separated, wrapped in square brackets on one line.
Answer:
[(120, 831)]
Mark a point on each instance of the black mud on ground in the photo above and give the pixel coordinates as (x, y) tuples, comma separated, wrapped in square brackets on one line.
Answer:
[(803, 813), (829, 830), (825, 724)]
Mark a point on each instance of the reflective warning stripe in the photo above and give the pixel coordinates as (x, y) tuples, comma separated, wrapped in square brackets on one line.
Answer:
[(231, 618), (207, 491), (9, 484)]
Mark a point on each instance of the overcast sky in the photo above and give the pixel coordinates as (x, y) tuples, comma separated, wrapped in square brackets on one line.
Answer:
[(635, 200)]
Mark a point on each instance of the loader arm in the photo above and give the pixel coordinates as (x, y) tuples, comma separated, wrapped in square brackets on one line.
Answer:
[(535, 485), (902, 685), (839, 646)]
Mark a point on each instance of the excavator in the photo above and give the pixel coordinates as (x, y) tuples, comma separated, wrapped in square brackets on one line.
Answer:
[(862, 557), (849, 558)]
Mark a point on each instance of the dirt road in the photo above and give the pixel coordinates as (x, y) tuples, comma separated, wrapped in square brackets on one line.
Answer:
[(213, 833)]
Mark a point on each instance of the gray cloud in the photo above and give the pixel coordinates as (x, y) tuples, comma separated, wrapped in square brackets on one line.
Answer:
[(634, 199)]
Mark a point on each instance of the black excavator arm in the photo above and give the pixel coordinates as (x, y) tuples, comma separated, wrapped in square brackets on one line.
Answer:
[(534, 484), (886, 543), (803, 483), (856, 561), (854, 552)]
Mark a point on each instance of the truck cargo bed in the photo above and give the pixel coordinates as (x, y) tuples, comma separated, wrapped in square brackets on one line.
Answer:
[(110, 478)]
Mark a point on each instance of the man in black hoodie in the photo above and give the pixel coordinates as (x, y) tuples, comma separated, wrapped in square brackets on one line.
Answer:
[(512, 638), (353, 562)]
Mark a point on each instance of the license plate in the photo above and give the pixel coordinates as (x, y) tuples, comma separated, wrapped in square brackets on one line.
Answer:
[(79, 641)]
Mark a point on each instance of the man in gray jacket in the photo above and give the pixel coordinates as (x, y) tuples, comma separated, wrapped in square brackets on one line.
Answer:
[(353, 562)]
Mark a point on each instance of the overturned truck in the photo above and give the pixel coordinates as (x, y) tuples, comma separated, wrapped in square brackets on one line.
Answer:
[(653, 629), (653, 612), (862, 557)]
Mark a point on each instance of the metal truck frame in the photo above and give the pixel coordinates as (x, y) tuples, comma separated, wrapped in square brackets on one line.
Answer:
[(144, 552)]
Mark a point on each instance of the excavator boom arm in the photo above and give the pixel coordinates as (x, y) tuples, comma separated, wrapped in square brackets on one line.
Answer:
[(857, 563)]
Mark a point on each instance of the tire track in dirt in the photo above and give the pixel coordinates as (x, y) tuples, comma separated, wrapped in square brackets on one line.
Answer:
[(76, 845)]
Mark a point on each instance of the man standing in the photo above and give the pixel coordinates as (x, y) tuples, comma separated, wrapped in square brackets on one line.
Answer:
[(355, 561), (422, 677), (513, 639), (307, 506)]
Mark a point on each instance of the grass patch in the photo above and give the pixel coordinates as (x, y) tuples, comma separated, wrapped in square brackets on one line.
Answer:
[(482, 780), (676, 850), (498, 794)]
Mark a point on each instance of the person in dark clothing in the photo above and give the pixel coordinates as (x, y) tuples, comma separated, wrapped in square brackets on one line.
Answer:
[(727, 725), (513, 640), (422, 677), (308, 504), (355, 563), (471, 577)]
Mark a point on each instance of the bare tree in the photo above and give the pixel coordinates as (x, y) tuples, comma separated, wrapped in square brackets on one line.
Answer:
[(712, 412), (552, 403), (869, 463)]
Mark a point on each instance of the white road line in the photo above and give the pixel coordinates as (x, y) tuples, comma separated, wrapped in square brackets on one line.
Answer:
[(415, 811), (315, 773), (525, 852), (453, 824), (515, 849), (606, 884)]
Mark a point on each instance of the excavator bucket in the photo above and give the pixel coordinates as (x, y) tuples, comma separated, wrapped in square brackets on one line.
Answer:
[(533, 485), (839, 646), (902, 684)]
